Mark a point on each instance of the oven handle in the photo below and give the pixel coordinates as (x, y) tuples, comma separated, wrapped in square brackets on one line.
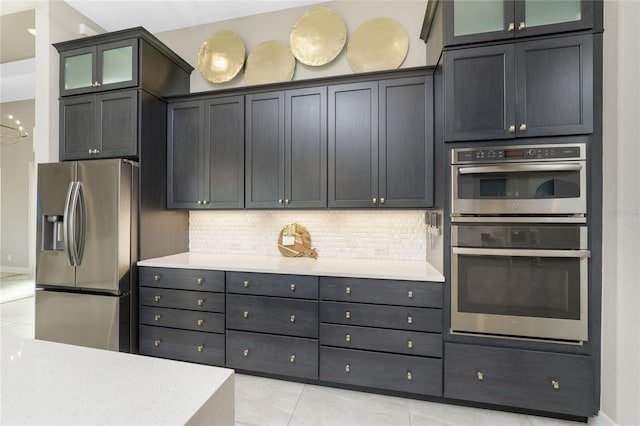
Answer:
[(557, 167), (521, 252)]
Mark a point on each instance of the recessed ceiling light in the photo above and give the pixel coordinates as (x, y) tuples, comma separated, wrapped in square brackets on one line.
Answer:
[(32, 31)]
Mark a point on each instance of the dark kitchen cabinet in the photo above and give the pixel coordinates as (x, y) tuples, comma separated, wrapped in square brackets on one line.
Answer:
[(206, 153), (99, 126), (525, 89), (381, 143), (286, 149)]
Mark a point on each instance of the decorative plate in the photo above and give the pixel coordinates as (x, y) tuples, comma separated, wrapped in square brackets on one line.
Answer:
[(318, 36), (378, 44), (221, 56), (269, 62)]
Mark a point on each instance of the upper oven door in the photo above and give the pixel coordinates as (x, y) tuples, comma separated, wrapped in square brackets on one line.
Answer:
[(535, 188)]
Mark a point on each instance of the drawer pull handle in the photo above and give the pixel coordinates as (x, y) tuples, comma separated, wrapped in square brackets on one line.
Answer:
[(347, 290), (409, 344), (374, 200), (410, 294), (347, 315), (292, 358), (521, 26), (347, 337), (409, 319), (555, 384), (156, 277), (245, 284), (157, 342), (480, 375), (511, 27), (245, 352), (200, 348), (512, 128), (245, 314), (347, 368), (156, 298), (200, 302), (523, 127), (156, 317), (200, 322), (199, 281), (409, 376), (292, 318), (293, 287)]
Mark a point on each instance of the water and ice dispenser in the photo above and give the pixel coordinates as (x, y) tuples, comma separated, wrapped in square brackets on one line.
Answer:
[(52, 234)]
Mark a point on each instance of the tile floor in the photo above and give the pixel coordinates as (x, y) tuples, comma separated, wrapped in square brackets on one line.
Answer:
[(261, 401)]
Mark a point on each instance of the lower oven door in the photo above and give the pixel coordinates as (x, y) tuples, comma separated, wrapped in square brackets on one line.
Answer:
[(539, 294)]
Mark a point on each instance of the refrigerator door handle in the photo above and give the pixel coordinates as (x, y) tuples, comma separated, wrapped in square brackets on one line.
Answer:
[(80, 225), (67, 224)]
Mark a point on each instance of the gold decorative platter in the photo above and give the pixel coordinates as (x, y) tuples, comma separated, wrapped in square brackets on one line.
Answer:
[(221, 56), (378, 44), (318, 36), (269, 62)]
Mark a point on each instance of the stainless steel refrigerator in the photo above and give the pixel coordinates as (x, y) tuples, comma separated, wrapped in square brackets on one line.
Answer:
[(86, 292)]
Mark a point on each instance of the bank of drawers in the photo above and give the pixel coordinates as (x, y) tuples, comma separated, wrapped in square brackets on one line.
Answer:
[(181, 314), (272, 324), (381, 333)]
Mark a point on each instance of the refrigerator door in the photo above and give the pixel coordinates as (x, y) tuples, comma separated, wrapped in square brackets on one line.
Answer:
[(83, 319), (104, 217), (53, 256)]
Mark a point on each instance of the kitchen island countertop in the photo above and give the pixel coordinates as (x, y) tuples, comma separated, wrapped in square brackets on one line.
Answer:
[(410, 270)]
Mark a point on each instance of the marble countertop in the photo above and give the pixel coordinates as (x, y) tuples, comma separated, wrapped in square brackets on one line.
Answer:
[(53, 383), (322, 266)]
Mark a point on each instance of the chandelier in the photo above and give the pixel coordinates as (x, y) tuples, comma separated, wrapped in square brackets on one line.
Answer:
[(12, 132)]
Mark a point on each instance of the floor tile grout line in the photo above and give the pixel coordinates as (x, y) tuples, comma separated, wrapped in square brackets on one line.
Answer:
[(304, 385)]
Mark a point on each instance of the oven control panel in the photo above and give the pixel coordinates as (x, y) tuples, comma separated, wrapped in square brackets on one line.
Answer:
[(518, 153)]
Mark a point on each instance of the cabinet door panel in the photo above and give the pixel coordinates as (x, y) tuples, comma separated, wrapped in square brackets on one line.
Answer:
[(118, 124), (472, 21), (478, 93), (77, 127), (406, 142), (353, 145), (555, 86), (183, 345), (117, 64), (264, 150), (546, 17), (77, 71), (306, 148), (224, 149), (185, 158)]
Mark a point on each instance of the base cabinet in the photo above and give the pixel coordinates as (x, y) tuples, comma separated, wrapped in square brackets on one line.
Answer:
[(558, 383)]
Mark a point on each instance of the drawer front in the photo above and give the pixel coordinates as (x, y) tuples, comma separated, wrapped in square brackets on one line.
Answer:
[(383, 371), (272, 315), (560, 383), (293, 286), (178, 318), (385, 292), (398, 317), (183, 279), (180, 299), (183, 345), (288, 356), (381, 339)]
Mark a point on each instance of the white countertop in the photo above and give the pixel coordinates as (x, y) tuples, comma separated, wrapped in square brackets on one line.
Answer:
[(53, 383), (322, 266)]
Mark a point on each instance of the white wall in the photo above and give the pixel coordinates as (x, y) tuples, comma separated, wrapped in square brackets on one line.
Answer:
[(621, 214)]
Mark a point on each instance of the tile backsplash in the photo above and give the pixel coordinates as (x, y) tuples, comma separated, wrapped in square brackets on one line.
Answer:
[(364, 234)]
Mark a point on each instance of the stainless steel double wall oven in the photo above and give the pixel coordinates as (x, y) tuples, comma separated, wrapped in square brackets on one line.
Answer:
[(519, 256)]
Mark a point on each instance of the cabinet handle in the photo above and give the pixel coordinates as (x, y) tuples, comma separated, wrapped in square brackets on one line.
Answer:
[(156, 317), (410, 294), (200, 302), (292, 358), (347, 337), (97, 84), (200, 322), (347, 368), (205, 202), (512, 128), (245, 314), (90, 151), (245, 352), (521, 26), (409, 319), (347, 290), (199, 281), (410, 344), (199, 202), (293, 287), (555, 384), (347, 315), (156, 298), (523, 127), (156, 277), (374, 200), (409, 376), (280, 201), (511, 27), (292, 318), (381, 200), (286, 201), (480, 375), (157, 342), (200, 348), (96, 151), (245, 284)]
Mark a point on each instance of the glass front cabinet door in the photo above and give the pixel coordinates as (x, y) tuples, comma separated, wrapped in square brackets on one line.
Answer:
[(97, 68), (473, 21)]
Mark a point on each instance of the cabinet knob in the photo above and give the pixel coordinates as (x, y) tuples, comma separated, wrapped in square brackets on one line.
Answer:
[(409, 376), (521, 26), (409, 319), (523, 127), (479, 375), (199, 281), (157, 298), (200, 302), (511, 26), (347, 337), (90, 151), (410, 294), (200, 322), (410, 344), (347, 290), (512, 128), (280, 201), (347, 315), (156, 317), (347, 368), (200, 348), (286, 201), (292, 318), (293, 287), (245, 352), (381, 200), (245, 284), (96, 151), (205, 202), (374, 200), (156, 277), (245, 314), (96, 84), (199, 202), (292, 358), (157, 342), (555, 384)]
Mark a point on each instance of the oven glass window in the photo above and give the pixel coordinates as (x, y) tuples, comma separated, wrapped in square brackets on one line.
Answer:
[(545, 287), (519, 185)]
